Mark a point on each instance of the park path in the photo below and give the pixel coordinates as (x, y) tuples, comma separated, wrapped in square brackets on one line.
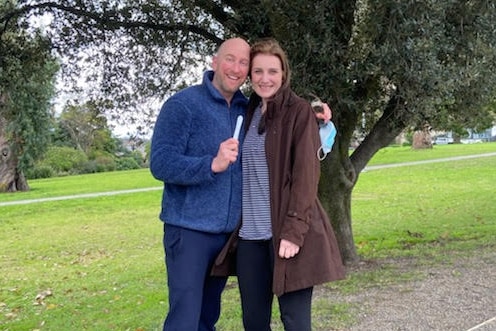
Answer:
[(452, 158), (456, 295), (79, 196)]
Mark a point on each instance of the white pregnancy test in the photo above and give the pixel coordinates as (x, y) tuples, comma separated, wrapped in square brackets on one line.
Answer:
[(239, 121)]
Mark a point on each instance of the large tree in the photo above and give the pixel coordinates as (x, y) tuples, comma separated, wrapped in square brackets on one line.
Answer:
[(382, 65), (27, 75)]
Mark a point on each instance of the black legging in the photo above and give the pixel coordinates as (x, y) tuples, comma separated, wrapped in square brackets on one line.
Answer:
[(255, 264)]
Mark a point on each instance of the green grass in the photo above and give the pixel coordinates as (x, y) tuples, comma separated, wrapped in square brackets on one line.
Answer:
[(429, 207), (102, 257)]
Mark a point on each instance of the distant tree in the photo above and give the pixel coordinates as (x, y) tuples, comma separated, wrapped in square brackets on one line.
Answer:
[(382, 65), (84, 127), (27, 73)]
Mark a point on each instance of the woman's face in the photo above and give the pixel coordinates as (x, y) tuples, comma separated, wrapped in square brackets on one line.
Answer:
[(266, 75)]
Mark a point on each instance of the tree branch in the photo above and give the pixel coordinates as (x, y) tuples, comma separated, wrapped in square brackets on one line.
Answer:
[(109, 22), (393, 120)]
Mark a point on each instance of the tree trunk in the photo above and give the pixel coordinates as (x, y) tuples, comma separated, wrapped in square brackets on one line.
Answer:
[(11, 179), (340, 171), (422, 139), (335, 190), (340, 213)]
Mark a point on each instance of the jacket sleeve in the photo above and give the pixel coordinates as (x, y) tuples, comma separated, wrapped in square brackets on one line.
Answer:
[(169, 160), (305, 173)]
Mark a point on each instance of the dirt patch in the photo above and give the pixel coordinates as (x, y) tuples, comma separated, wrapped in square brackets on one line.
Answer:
[(456, 295)]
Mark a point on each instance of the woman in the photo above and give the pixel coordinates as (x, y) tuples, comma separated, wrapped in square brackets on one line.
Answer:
[(285, 243)]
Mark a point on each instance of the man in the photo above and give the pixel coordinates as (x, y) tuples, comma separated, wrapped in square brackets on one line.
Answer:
[(194, 155)]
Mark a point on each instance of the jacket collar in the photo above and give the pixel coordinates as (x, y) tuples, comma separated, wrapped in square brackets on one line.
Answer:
[(283, 98)]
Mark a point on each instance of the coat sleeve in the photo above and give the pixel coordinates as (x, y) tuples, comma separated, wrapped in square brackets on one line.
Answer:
[(169, 160), (305, 173)]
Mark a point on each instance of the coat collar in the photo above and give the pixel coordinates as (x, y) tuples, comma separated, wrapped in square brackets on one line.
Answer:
[(283, 98)]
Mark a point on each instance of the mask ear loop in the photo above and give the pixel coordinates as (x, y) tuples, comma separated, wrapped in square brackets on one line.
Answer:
[(320, 153)]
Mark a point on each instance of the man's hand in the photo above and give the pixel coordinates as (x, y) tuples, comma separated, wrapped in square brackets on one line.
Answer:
[(227, 154), (326, 114), (287, 249)]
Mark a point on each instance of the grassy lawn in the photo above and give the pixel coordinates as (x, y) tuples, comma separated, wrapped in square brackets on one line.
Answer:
[(97, 263)]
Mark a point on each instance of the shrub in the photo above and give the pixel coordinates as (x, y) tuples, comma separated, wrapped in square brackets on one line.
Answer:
[(105, 163), (63, 159), (88, 167), (127, 163), (40, 171)]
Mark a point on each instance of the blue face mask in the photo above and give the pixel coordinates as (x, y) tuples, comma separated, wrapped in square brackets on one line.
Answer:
[(327, 134)]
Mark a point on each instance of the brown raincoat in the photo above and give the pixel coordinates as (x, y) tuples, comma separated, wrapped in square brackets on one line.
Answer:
[(291, 145)]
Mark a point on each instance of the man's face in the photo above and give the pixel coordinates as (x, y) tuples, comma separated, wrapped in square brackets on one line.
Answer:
[(231, 65)]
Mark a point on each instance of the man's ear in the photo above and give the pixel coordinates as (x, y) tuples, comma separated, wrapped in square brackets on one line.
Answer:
[(214, 63)]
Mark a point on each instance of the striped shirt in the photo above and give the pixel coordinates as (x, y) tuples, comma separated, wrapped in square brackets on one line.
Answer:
[(256, 197)]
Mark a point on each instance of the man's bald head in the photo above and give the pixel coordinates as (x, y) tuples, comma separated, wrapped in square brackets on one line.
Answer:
[(231, 65)]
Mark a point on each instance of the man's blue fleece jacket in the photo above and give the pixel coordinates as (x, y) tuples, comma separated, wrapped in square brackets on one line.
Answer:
[(187, 134)]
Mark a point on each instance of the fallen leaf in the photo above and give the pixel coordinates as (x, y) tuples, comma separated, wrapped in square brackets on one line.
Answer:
[(41, 296)]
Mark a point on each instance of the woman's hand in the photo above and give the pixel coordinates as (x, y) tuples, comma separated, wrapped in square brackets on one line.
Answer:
[(287, 249)]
